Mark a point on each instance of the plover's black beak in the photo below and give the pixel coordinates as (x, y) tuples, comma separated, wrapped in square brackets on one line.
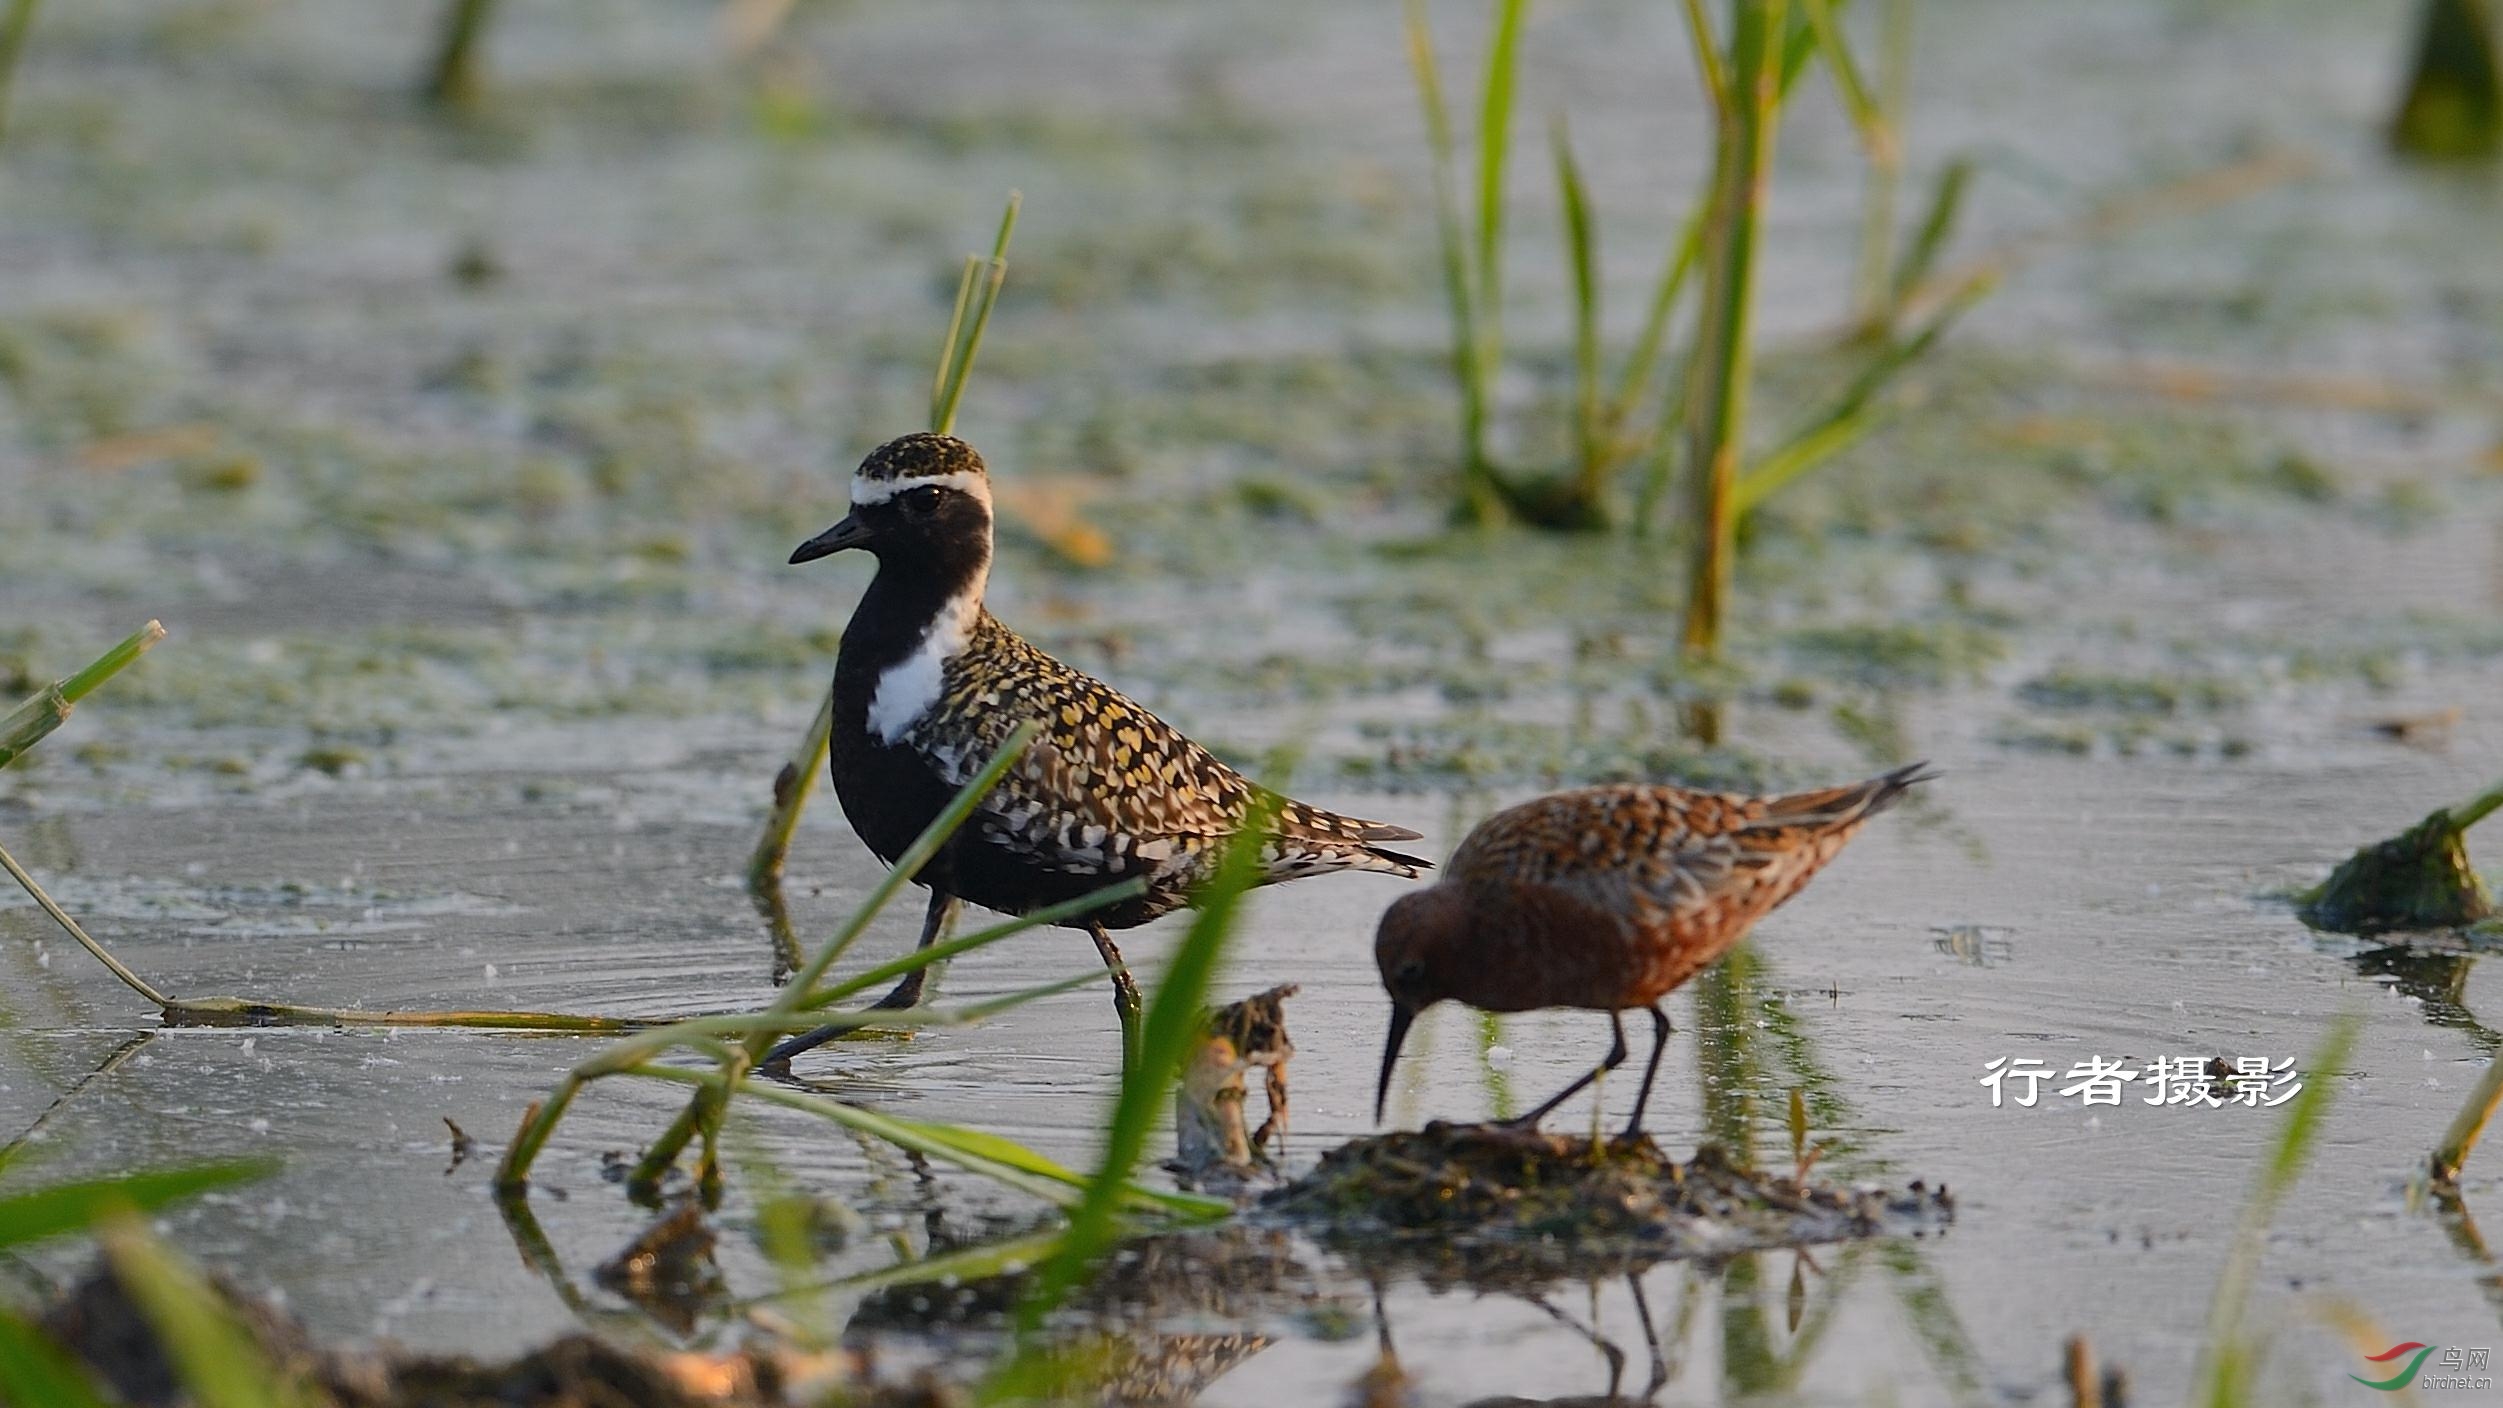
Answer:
[(847, 534), (1400, 1018)]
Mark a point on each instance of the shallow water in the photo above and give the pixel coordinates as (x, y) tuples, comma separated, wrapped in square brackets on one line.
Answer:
[(477, 681)]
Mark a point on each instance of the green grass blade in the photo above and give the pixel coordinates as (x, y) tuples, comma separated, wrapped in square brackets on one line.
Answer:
[(1582, 261), (1851, 415), (213, 1355), (77, 1207), (2228, 1362), (1466, 369), (1708, 66), (35, 1371), (1645, 353), (1945, 201), (957, 363), (1494, 151), (1871, 293), (1721, 365), (1866, 114), (990, 1155), (941, 952), (112, 662), (33, 721), (942, 412), (906, 866), (955, 1267), (1172, 1025)]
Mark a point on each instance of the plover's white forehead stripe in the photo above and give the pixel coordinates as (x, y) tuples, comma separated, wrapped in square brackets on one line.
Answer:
[(877, 491)]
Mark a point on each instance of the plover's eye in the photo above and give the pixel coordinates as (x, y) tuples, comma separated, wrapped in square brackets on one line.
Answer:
[(1409, 972), (922, 502)]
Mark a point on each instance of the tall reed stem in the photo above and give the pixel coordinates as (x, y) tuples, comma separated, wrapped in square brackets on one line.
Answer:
[(1717, 405), (452, 80)]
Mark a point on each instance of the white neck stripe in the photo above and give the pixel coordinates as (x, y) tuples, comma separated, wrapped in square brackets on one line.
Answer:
[(877, 491), (909, 687)]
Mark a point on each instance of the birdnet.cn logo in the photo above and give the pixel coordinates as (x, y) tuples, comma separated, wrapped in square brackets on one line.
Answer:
[(2457, 1368)]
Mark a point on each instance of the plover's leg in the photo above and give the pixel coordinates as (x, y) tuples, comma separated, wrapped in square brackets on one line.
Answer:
[(1614, 1059), (907, 993), (1125, 993), (1659, 1043)]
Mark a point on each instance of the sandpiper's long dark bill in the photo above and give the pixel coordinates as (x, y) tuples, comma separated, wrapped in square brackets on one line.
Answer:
[(1607, 899), (928, 685)]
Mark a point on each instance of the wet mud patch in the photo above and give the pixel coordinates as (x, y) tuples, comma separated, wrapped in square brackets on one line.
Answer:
[(1485, 1201), (98, 1324)]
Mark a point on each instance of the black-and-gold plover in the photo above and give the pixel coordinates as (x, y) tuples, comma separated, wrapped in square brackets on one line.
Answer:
[(927, 687)]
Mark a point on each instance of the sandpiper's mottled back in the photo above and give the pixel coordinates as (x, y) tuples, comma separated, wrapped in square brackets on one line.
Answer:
[(1606, 899), (928, 686)]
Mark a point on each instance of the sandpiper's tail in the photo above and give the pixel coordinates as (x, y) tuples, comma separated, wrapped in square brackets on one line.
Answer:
[(1849, 804)]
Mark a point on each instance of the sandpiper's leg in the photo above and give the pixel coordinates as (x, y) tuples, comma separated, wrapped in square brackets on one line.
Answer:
[(1125, 993), (1651, 1339), (907, 993), (1659, 1043), (1614, 1059)]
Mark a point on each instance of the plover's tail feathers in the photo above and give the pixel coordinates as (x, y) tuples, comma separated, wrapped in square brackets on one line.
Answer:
[(1310, 840)]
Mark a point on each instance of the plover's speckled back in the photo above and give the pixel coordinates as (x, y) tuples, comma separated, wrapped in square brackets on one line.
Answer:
[(928, 685), (1606, 899)]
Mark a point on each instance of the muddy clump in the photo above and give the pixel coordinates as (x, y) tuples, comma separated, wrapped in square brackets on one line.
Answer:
[(1487, 1193), (96, 1323), (2419, 879)]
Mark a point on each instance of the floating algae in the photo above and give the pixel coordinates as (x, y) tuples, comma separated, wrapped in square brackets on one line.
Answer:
[(1494, 1196)]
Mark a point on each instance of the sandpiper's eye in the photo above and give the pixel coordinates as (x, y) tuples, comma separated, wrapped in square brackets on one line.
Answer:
[(922, 502), (1409, 972)]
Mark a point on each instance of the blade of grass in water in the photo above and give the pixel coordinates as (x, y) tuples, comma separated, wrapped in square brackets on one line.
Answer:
[(1582, 262), (1920, 258), (453, 80), (1173, 1024), (2229, 1363), (33, 721), (76, 1207), (975, 298), (1852, 413), (1476, 482), (1494, 151), (34, 1370), (1835, 48), (942, 952), (213, 1355), (1717, 410), (1875, 296)]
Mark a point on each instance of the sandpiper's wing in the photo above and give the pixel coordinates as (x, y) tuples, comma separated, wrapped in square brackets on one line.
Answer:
[(1108, 787), (1637, 849)]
